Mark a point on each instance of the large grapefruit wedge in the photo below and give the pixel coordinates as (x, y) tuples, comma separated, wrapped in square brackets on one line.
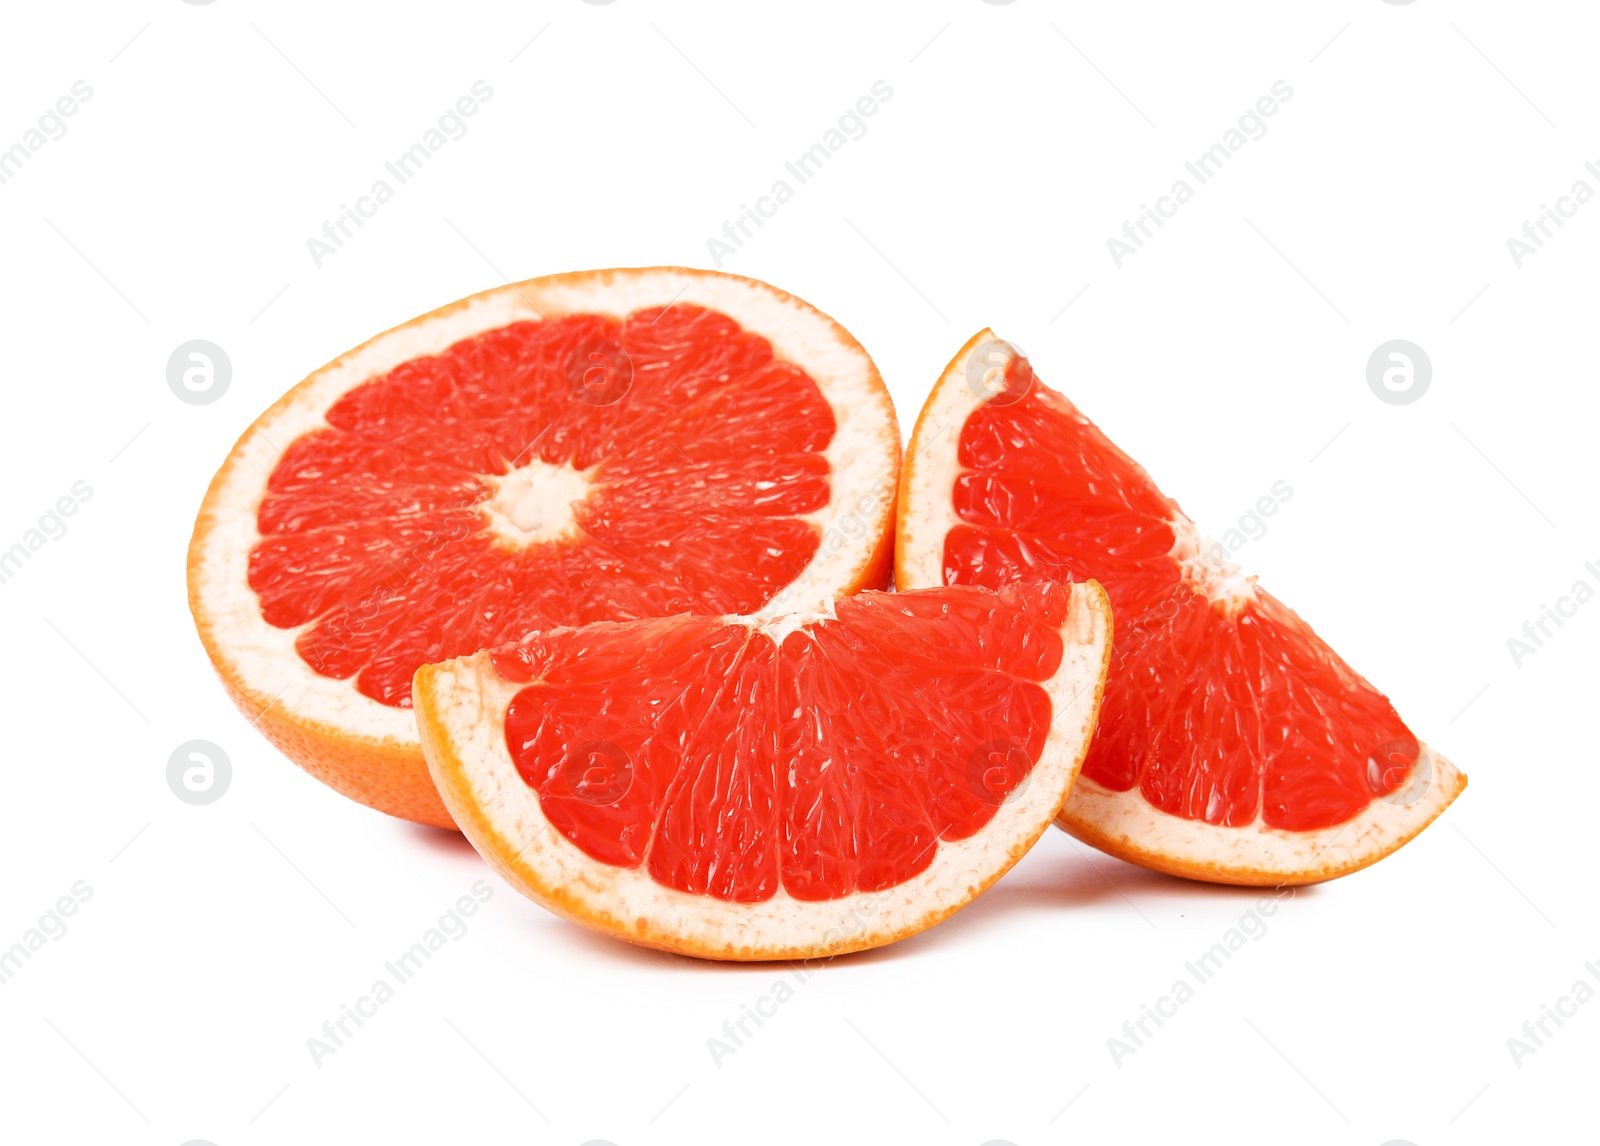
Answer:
[(602, 445), (1234, 744), (773, 788)]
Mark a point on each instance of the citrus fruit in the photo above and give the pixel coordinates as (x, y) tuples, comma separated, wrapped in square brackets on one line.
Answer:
[(1234, 745), (778, 787), (602, 445)]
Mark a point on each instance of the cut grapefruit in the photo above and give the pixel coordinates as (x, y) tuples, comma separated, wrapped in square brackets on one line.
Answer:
[(1234, 745), (602, 445), (775, 787)]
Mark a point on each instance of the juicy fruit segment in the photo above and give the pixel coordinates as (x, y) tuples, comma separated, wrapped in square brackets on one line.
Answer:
[(607, 443), (544, 473), (735, 760), (1222, 705), (775, 787)]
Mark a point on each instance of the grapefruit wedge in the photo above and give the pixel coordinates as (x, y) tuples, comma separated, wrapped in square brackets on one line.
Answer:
[(602, 445), (772, 787), (1234, 745)]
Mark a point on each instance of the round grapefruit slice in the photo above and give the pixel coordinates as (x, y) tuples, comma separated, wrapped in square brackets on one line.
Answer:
[(773, 787), (1234, 745), (592, 446)]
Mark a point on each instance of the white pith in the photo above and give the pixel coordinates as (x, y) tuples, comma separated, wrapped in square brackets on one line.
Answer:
[(1128, 821), (535, 502), (462, 707), (931, 467), (862, 457), (780, 626), (1207, 569), (928, 478), (1125, 823)]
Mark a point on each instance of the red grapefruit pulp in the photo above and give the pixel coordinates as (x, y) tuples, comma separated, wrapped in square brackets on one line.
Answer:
[(1234, 744), (737, 788), (597, 446), (539, 474)]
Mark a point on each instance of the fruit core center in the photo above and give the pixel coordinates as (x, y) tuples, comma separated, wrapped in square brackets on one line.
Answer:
[(1206, 567), (537, 502)]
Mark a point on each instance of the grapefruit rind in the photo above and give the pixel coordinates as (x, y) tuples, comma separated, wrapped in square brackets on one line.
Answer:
[(928, 476), (1124, 824), (461, 705), (369, 751)]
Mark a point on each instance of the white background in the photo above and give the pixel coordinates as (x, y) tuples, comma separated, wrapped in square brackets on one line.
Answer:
[(1227, 355)]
